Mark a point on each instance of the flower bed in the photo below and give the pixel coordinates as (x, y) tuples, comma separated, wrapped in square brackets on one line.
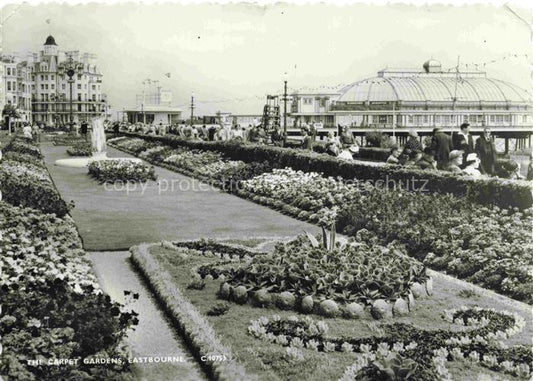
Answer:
[(204, 165), (278, 356), (24, 146), (406, 352), (80, 149), (342, 280), (121, 170), (67, 140), (52, 306), (487, 246), (26, 183), (23, 158)]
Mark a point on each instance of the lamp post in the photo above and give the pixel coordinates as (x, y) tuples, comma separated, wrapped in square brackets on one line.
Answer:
[(70, 68), (285, 106), (192, 108)]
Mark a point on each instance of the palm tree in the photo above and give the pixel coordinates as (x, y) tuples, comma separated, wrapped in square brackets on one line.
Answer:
[(10, 112)]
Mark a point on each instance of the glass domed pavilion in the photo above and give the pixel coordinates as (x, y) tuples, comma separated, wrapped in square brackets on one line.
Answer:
[(432, 98)]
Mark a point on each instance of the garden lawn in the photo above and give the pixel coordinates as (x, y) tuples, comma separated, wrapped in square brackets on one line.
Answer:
[(268, 360), (118, 219)]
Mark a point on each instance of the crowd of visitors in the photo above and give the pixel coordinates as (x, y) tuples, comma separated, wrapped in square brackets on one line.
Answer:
[(456, 153)]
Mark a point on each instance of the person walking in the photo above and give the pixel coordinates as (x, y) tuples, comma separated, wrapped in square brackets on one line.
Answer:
[(441, 145), (307, 140), (486, 152), (463, 141), (36, 133), (84, 128)]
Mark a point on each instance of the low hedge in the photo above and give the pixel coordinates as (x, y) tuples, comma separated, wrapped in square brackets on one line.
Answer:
[(500, 192), (374, 153), (196, 330)]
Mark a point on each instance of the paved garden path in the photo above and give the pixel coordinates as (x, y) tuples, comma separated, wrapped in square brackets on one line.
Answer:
[(154, 336), (174, 207)]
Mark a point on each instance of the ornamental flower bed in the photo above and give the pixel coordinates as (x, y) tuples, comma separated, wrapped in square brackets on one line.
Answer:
[(27, 183), (488, 246), (52, 306), (23, 158), (403, 351), (80, 149), (121, 170), (131, 145), (342, 280), (24, 146)]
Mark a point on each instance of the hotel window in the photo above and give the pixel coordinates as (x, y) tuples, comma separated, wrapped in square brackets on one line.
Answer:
[(79, 97), (8, 71), (52, 77), (79, 86), (52, 86), (307, 101), (322, 102), (93, 87), (94, 98), (79, 107), (410, 119), (507, 118), (63, 86), (8, 85), (14, 71), (14, 100), (46, 86), (79, 76)]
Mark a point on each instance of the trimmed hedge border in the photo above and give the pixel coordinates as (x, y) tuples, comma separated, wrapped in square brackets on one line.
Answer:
[(374, 153), (195, 329), (500, 192)]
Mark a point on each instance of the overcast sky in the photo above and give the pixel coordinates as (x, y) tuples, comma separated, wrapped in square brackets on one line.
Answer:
[(229, 52)]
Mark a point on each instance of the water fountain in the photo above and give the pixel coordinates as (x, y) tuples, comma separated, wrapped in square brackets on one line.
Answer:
[(98, 144)]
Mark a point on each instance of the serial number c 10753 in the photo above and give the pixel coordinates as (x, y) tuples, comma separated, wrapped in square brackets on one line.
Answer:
[(214, 358)]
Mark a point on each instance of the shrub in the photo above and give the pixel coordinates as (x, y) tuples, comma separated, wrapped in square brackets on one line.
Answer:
[(80, 149)]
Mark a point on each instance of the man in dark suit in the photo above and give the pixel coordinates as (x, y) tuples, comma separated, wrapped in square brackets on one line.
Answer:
[(463, 141), (487, 152), (441, 145)]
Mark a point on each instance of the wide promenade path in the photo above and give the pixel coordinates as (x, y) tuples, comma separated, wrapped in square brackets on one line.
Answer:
[(174, 207)]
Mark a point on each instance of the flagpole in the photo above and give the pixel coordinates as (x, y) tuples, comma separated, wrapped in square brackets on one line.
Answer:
[(455, 95)]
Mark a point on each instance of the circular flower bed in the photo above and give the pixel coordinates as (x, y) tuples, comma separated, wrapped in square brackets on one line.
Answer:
[(121, 170)]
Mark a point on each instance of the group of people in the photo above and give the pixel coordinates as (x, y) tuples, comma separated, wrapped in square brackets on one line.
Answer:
[(343, 146), (456, 153), (254, 133), (32, 131)]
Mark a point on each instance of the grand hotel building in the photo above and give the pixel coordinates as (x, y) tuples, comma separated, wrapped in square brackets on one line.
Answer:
[(39, 86)]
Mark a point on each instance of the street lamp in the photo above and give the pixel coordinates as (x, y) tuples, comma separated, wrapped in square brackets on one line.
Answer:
[(70, 68), (285, 105)]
